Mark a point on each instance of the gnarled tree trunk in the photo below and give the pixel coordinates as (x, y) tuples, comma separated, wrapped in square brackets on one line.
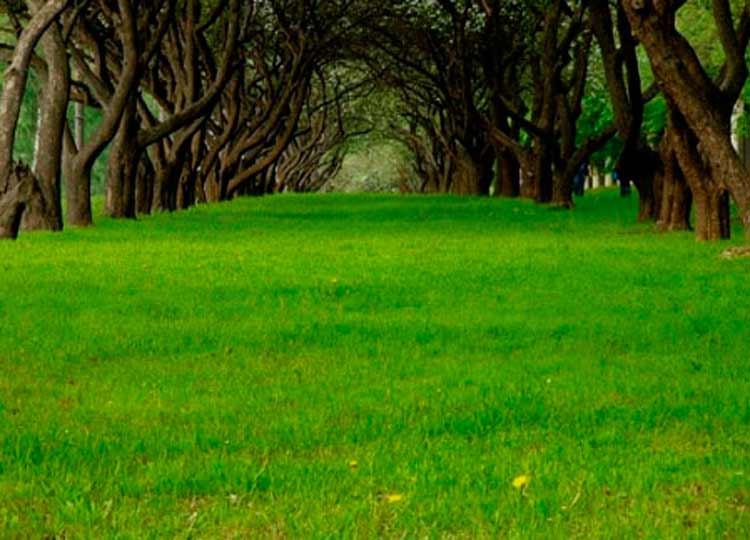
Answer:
[(13, 190), (22, 189), (78, 170), (45, 211), (508, 175), (124, 158), (637, 163), (676, 199), (704, 107)]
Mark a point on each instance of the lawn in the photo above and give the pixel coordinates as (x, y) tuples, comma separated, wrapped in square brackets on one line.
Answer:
[(374, 367)]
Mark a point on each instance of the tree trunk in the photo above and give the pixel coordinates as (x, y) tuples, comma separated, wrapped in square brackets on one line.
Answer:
[(467, 174), (212, 185), (712, 215), (543, 178), (162, 180), (11, 210), (78, 182), (676, 203), (186, 190), (676, 199), (639, 166), (78, 194), (705, 108), (636, 163), (508, 175), (45, 211), (562, 190), (144, 188), (14, 83), (166, 185), (13, 194), (124, 157), (22, 188), (709, 195)]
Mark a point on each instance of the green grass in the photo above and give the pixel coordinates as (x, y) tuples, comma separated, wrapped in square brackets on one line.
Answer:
[(212, 374)]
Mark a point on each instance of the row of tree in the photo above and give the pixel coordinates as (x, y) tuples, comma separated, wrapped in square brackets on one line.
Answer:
[(494, 91), (206, 100), (198, 101)]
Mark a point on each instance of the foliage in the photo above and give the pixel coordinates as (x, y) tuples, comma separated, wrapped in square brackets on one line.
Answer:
[(655, 120), (596, 117), (374, 165)]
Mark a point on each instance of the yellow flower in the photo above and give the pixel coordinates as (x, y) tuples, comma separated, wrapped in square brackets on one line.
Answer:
[(353, 465), (520, 482), (394, 498)]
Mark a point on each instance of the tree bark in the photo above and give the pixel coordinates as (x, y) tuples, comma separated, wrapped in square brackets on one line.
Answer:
[(708, 191), (562, 190), (639, 166), (124, 157), (144, 185), (712, 215), (636, 163), (12, 188), (704, 105), (78, 179), (45, 212), (508, 175), (22, 188), (14, 83), (676, 199)]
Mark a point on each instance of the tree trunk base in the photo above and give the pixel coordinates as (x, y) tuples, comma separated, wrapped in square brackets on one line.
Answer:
[(22, 188), (712, 217), (38, 216)]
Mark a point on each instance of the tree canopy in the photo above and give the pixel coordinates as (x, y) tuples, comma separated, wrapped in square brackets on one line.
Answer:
[(194, 101)]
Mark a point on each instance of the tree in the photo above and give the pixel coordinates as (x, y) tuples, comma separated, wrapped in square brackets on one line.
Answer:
[(207, 100), (556, 69), (17, 183), (700, 119), (637, 161)]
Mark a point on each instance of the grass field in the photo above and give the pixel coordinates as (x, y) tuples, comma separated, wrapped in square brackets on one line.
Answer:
[(374, 367)]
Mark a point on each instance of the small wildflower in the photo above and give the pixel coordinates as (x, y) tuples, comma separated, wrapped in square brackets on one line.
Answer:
[(392, 498), (353, 465), (521, 482)]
